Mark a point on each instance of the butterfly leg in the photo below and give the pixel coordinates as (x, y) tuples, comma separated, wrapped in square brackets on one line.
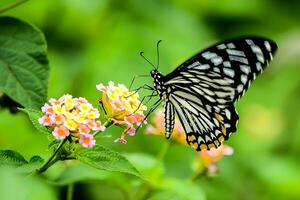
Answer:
[(154, 106), (133, 79)]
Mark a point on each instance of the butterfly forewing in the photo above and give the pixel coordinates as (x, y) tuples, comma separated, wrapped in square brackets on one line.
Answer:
[(203, 89), (236, 61)]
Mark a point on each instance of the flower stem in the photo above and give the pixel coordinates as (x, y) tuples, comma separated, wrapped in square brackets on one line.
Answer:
[(106, 124), (11, 6), (53, 159)]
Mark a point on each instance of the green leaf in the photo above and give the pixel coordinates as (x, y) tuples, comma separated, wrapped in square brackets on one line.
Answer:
[(14, 186), (14, 159), (11, 158), (34, 163), (147, 164), (103, 158), (179, 190), (34, 115), (79, 172), (24, 66)]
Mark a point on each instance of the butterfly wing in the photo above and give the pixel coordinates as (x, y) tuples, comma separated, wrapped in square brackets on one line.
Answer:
[(237, 61), (206, 125), (204, 88)]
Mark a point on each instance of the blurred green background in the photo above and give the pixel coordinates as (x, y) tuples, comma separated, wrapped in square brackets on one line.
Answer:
[(99, 41)]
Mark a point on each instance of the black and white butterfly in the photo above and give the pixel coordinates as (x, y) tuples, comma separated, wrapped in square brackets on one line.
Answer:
[(203, 89)]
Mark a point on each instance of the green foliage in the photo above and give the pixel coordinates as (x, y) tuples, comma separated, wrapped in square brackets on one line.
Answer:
[(11, 158), (14, 186), (178, 190), (34, 115), (103, 158), (23, 62), (15, 159), (99, 41), (79, 173)]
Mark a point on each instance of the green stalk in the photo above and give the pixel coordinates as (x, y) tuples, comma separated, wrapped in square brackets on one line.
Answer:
[(53, 159), (11, 6), (106, 124)]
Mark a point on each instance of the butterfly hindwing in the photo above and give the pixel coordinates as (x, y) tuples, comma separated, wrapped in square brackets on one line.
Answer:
[(204, 128)]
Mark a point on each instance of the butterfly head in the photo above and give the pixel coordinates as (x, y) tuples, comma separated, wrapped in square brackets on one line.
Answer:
[(156, 75)]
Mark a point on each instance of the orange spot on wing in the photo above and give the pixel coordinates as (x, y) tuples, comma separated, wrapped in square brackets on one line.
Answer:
[(211, 145), (221, 138), (191, 138), (218, 117), (203, 146), (194, 145)]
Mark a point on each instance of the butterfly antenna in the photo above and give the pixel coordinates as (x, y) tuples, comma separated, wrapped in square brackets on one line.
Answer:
[(142, 54), (157, 52)]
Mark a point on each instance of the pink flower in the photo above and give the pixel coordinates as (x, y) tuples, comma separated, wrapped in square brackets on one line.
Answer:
[(84, 129), (60, 132), (122, 140), (73, 117), (58, 119), (95, 125), (47, 109), (87, 141), (45, 120)]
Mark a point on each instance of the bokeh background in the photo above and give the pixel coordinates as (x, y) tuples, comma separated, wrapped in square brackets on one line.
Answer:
[(99, 41)]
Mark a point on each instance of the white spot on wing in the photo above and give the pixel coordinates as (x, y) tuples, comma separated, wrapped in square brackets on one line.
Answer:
[(217, 60), (221, 46), (230, 45), (258, 66), (228, 114), (202, 67), (216, 69), (240, 88), (235, 52), (239, 59), (209, 55), (229, 72), (226, 64), (245, 68), (267, 45), (244, 79)]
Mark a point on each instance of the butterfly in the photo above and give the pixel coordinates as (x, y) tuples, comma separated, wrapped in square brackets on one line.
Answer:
[(203, 89)]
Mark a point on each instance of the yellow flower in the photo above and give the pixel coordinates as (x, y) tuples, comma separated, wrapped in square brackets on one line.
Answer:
[(122, 106), (58, 109), (71, 124)]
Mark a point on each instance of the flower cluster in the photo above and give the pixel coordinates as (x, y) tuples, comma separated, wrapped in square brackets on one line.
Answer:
[(123, 107), (68, 116), (206, 158)]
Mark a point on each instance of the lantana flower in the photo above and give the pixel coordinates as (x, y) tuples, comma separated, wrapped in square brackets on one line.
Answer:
[(206, 159), (123, 107), (75, 117)]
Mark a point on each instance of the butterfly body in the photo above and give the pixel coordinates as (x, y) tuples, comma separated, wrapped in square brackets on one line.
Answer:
[(202, 90)]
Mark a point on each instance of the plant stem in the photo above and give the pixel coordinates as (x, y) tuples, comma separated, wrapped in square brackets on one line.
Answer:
[(106, 124), (70, 191), (53, 159), (163, 152), (11, 6)]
